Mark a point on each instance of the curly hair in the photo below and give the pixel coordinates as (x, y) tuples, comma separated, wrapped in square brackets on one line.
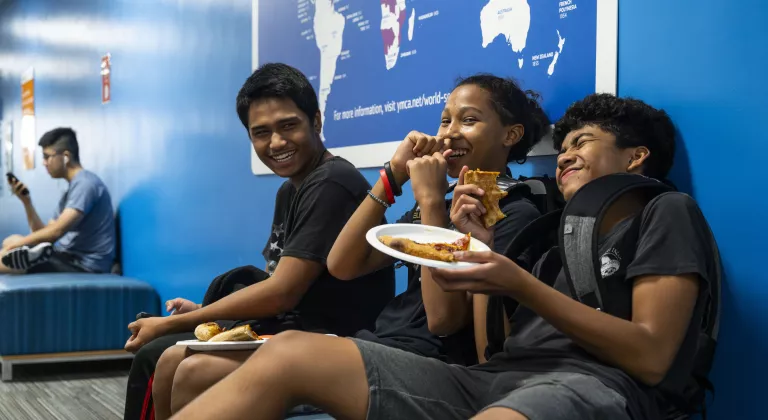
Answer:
[(633, 122), (514, 106), (277, 80)]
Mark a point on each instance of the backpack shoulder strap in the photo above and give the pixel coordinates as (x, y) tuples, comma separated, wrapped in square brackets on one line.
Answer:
[(545, 192), (579, 230), (232, 281), (507, 183), (531, 233)]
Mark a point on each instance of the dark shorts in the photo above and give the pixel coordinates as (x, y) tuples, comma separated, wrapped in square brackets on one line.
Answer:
[(60, 262), (407, 386)]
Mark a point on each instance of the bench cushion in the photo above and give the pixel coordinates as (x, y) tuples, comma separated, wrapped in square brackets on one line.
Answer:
[(69, 312)]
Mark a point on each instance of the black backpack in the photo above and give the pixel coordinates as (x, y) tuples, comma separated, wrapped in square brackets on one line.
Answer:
[(575, 227), (239, 278), (546, 195)]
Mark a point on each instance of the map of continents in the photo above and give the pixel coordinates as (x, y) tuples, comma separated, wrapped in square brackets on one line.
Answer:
[(328, 25), (390, 65), (393, 13)]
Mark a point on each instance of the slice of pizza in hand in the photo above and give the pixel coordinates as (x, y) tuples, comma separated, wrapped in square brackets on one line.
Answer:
[(438, 251), (490, 200)]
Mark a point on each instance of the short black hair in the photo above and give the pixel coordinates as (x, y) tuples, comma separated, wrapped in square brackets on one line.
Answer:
[(62, 139), (277, 80), (633, 122), (514, 106)]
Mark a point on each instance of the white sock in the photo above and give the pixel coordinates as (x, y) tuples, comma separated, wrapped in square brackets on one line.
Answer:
[(24, 257)]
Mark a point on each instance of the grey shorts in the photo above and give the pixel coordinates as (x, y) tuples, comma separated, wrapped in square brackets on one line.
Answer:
[(407, 386)]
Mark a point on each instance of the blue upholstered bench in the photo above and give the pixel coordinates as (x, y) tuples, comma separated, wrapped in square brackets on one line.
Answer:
[(68, 317)]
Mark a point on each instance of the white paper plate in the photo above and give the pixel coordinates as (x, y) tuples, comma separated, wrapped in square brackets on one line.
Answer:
[(422, 234), (225, 345), (221, 345)]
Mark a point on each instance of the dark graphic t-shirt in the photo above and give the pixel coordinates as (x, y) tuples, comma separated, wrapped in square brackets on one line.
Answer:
[(674, 240), (307, 221), (403, 323)]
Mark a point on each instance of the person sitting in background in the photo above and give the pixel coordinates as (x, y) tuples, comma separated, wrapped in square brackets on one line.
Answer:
[(81, 236), (488, 121), (279, 109), (562, 359)]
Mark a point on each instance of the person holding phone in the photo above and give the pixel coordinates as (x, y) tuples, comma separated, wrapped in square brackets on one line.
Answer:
[(81, 236)]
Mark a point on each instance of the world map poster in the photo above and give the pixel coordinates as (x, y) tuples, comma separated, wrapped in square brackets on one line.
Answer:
[(382, 68)]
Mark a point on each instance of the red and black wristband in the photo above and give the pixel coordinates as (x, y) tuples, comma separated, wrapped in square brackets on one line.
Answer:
[(396, 190), (387, 186)]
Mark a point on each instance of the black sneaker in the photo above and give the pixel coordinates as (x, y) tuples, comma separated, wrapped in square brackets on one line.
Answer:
[(24, 257)]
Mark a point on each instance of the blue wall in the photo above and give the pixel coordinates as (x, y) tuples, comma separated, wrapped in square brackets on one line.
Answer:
[(176, 159), (704, 62)]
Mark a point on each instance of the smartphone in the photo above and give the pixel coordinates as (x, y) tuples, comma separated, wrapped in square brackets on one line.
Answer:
[(13, 181)]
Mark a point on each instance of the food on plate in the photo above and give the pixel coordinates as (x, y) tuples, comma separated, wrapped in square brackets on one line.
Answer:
[(432, 251), (212, 332), (205, 332), (490, 200), (241, 333)]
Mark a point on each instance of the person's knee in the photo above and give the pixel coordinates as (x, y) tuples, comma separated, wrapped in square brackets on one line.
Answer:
[(166, 369), (284, 353), (500, 413), (171, 358), (290, 344), (145, 360), (13, 238), (191, 372), (192, 378)]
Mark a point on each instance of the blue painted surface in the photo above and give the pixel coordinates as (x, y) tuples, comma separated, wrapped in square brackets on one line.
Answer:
[(177, 160), (703, 61)]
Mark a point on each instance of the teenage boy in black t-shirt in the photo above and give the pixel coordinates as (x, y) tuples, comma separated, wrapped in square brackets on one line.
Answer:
[(563, 359), (279, 108)]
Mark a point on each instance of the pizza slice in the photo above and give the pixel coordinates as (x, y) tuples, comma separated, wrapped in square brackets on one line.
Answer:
[(438, 251), (490, 200)]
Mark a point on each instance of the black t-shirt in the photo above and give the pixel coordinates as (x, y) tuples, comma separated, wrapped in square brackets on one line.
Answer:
[(403, 323), (306, 223), (673, 240)]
